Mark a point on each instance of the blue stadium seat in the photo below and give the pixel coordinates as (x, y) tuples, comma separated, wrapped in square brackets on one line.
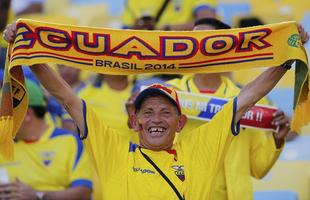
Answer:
[(306, 24), (297, 150), (230, 10), (283, 99), (116, 7), (274, 195)]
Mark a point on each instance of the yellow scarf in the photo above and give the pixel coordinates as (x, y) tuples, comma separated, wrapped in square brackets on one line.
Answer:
[(111, 51)]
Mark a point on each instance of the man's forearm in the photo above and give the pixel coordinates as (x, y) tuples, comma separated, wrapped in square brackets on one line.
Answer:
[(257, 89), (59, 88), (55, 85)]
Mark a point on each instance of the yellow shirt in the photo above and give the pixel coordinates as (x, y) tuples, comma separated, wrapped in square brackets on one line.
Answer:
[(177, 11), (252, 153), (125, 174), (55, 162), (109, 104)]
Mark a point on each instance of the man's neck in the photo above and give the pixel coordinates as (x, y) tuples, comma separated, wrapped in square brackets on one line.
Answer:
[(207, 81)]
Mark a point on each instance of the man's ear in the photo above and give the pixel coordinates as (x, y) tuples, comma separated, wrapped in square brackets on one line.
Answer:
[(181, 123), (135, 123)]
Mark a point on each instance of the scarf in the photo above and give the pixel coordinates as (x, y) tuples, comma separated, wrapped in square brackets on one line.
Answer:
[(125, 52)]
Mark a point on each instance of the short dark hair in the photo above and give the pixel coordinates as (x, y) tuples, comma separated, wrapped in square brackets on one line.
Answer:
[(217, 24), (155, 94), (39, 111), (249, 22)]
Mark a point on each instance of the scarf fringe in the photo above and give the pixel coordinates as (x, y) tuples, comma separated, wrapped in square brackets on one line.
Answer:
[(6, 137), (301, 115)]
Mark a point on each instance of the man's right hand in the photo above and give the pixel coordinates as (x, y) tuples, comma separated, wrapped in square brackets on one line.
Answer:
[(9, 33)]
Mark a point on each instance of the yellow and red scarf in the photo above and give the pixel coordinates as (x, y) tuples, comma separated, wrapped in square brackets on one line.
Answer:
[(110, 51)]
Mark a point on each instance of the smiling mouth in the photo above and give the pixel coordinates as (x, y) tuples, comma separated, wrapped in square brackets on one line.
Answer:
[(156, 131)]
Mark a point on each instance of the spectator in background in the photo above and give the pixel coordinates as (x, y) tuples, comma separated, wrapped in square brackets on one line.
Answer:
[(26, 7), (50, 163), (176, 15), (72, 77)]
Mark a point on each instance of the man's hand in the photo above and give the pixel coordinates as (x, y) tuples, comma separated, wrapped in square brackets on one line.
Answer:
[(283, 122), (17, 191), (304, 36), (9, 33), (7, 191)]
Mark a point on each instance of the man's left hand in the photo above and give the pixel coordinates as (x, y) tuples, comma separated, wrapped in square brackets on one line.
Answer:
[(17, 191), (283, 122)]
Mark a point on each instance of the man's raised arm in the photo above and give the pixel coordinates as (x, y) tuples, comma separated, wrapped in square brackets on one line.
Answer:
[(54, 84), (257, 89), (263, 84)]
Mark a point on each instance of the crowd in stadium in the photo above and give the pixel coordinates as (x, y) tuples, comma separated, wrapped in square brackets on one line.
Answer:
[(99, 136)]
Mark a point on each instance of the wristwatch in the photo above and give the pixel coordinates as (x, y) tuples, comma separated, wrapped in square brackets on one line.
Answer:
[(40, 195)]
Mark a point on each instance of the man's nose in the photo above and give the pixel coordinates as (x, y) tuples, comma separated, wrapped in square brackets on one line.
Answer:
[(157, 118)]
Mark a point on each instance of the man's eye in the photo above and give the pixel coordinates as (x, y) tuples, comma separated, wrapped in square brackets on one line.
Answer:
[(166, 112), (147, 112)]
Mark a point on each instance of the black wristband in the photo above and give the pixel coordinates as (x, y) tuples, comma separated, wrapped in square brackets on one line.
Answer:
[(287, 66)]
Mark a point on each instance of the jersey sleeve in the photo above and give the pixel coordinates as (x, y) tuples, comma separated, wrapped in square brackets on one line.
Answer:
[(107, 148), (80, 172), (205, 147), (264, 152)]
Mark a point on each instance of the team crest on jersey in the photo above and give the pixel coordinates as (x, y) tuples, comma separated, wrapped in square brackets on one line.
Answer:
[(179, 171), (47, 157)]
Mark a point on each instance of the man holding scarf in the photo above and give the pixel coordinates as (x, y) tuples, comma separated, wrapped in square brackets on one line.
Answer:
[(157, 168), (253, 152)]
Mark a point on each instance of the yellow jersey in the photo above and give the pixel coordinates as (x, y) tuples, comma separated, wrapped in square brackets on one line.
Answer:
[(252, 153), (176, 12), (55, 162), (191, 164)]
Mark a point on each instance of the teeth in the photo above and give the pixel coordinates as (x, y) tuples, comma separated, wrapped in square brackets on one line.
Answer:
[(156, 129)]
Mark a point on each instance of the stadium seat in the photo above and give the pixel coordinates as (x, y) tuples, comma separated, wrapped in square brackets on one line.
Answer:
[(306, 24), (283, 99), (297, 150), (115, 9), (227, 11), (291, 172), (273, 195)]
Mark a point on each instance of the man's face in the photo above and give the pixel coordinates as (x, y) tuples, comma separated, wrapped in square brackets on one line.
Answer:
[(157, 121)]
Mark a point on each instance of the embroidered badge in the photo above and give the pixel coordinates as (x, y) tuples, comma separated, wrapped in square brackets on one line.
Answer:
[(47, 157), (179, 171), (294, 41)]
